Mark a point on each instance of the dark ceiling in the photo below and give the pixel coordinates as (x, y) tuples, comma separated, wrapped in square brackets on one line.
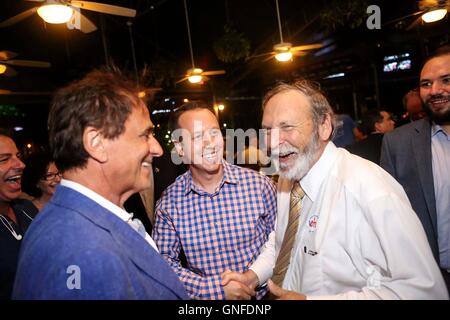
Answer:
[(159, 37)]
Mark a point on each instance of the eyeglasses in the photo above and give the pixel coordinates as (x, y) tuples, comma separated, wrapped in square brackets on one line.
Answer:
[(51, 176)]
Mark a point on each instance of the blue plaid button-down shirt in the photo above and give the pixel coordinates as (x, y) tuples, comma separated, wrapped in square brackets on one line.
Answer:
[(219, 231)]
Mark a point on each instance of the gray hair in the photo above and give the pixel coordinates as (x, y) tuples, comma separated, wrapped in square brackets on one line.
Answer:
[(320, 107)]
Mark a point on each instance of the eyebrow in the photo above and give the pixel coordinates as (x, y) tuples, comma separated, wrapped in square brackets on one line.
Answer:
[(440, 77), (148, 130)]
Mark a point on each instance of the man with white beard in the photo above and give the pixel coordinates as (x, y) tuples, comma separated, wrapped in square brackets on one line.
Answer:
[(345, 228)]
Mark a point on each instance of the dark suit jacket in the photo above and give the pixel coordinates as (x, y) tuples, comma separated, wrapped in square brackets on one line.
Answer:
[(10, 246), (406, 155), (369, 148), (113, 260)]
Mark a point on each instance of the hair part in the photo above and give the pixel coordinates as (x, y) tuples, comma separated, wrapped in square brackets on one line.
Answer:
[(319, 106), (103, 99), (189, 106)]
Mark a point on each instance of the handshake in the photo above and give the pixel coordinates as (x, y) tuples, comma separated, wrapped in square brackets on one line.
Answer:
[(242, 286)]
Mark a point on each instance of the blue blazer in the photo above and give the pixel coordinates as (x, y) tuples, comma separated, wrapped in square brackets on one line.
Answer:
[(406, 155), (76, 249)]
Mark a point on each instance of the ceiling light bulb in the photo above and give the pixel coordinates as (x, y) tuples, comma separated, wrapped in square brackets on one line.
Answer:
[(221, 107), (434, 15), (195, 79), (284, 56), (196, 70), (55, 13), (2, 68)]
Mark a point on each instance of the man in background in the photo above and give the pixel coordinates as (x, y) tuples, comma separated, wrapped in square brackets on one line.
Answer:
[(376, 123), (418, 156), (15, 214)]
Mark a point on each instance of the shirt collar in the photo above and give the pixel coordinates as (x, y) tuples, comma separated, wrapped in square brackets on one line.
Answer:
[(435, 129), (312, 181), (228, 177), (122, 214)]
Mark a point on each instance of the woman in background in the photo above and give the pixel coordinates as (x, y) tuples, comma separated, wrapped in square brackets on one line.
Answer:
[(40, 178)]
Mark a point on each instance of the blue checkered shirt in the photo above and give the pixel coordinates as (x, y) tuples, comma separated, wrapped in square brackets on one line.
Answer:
[(218, 231)]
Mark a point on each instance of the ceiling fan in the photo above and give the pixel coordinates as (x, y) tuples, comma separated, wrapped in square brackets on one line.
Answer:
[(284, 51), (68, 11), (6, 61), (429, 11), (195, 75)]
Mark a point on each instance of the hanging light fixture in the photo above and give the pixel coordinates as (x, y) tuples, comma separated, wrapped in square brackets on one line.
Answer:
[(434, 15), (284, 56), (195, 75), (55, 13), (282, 49)]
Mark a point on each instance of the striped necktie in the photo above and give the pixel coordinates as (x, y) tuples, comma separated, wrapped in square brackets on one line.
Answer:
[(282, 263)]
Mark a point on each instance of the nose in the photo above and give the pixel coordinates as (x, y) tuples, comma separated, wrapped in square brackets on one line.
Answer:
[(207, 138), (276, 138), (436, 87), (17, 163), (58, 178), (155, 147)]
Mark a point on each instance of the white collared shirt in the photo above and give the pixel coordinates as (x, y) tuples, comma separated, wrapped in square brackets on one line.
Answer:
[(108, 205), (358, 236)]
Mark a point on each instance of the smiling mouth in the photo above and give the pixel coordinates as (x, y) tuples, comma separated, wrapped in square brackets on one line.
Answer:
[(14, 182), (438, 102), (286, 156), (14, 179), (147, 164), (210, 156)]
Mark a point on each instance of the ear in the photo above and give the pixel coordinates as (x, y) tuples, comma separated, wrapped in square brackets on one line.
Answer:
[(325, 128), (93, 143)]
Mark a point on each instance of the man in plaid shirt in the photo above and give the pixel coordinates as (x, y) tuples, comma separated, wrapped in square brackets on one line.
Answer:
[(219, 214)]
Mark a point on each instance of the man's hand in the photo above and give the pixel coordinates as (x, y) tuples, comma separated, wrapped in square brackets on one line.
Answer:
[(235, 290), (239, 285), (249, 278), (281, 294)]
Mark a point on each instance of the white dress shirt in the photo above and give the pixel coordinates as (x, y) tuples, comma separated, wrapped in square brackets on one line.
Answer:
[(358, 236), (108, 205)]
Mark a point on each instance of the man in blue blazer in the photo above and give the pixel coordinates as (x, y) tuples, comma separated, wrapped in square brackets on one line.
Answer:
[(418, 156), (84, 245)]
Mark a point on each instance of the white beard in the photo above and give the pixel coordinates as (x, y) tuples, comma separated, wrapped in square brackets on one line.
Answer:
[(303, 163)]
